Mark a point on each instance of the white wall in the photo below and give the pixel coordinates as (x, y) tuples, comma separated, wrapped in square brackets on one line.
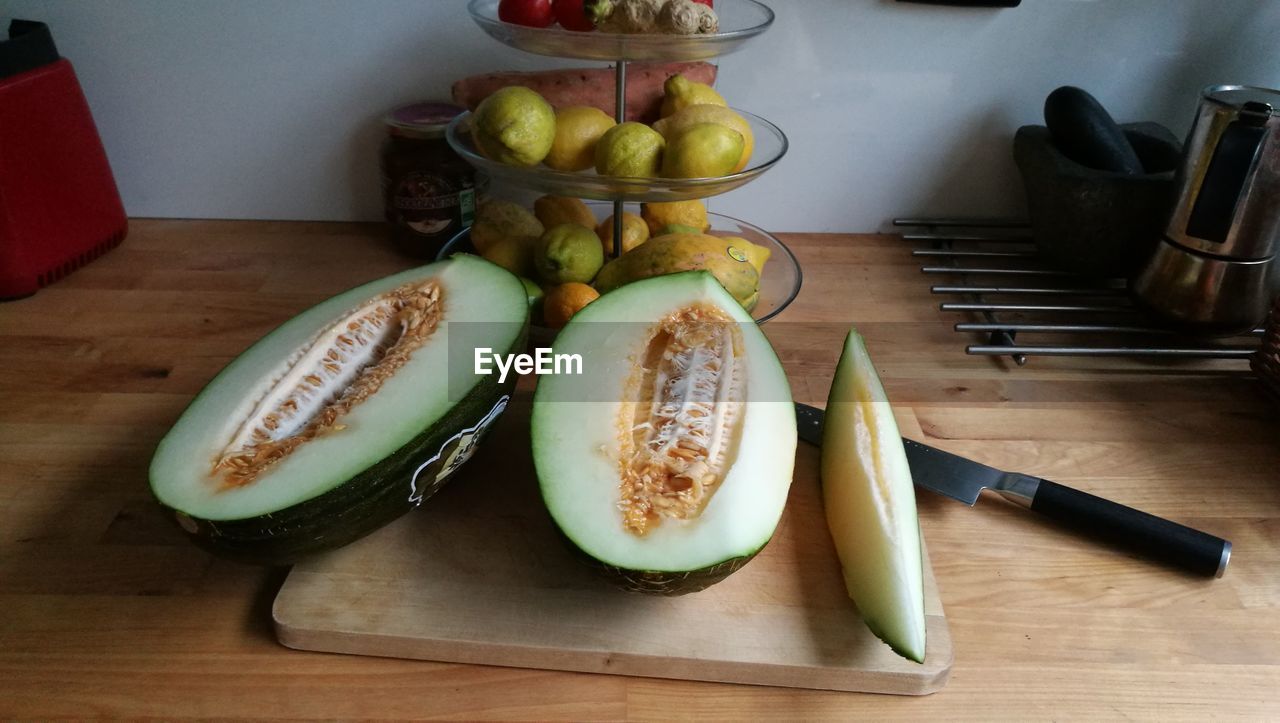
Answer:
[(269, 108)]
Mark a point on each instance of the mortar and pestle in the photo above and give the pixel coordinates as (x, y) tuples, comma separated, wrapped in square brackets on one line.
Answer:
[(1098, 192)]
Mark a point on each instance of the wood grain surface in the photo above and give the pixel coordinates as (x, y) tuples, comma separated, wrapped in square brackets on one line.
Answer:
[(105, 609)]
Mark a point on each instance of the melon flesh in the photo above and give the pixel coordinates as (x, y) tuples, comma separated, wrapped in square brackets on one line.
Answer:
[(870, 504)]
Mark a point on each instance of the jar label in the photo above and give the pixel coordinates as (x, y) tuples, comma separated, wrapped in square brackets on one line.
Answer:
[(467, 204), (431, 204)]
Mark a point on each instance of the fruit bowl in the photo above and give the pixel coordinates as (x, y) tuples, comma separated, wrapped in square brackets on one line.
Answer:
[(770, 147), (779, 284), (740, 20)]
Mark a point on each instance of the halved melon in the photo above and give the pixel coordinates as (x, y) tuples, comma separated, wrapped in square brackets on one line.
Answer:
[(668, 460), (870, 504), (345, 417)]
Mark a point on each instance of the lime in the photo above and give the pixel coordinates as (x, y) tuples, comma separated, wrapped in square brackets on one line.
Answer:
[(568, 252)]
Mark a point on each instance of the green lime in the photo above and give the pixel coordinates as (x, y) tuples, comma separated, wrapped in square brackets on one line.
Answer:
[(568, 252)]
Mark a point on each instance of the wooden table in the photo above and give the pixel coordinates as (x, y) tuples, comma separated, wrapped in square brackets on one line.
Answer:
[(105, 609)]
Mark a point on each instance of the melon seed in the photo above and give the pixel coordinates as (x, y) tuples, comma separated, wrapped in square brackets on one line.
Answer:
[(682, 429)]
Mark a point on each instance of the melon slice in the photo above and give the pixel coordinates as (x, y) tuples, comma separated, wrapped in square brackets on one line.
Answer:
[(870, 504), (345, 417), (668, 460)]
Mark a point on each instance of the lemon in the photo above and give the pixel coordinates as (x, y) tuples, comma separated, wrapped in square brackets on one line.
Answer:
[(513, 254), (568, 252), (680, 93), (497, 219), (685, 213), (578, 129), (557, 210), (515, 126), (675, 124), (632, 150), (634, 232), (703, 150), (565, 300)]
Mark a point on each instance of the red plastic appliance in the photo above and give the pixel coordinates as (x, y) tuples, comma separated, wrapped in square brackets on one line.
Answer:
[(59, 207)]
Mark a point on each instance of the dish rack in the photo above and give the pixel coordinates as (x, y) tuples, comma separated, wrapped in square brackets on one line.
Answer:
[(991, 269), (1266, 363)]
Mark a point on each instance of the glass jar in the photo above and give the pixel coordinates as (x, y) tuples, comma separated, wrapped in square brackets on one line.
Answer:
[(429, 193)]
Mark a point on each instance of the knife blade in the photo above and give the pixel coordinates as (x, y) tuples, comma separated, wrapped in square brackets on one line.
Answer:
[(963, 480)]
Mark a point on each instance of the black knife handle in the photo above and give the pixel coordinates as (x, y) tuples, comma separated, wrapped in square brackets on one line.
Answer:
[(1126, 527)]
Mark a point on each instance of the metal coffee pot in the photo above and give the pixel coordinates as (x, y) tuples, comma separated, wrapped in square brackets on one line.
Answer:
[(1215, 270)]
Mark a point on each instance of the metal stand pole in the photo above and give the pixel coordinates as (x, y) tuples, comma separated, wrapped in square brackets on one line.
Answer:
[(620, 115)]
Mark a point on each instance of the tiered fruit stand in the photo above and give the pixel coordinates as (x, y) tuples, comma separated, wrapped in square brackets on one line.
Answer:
[(740, 20)]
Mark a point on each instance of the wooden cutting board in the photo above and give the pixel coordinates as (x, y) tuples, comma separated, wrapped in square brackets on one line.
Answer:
[(478, 575)]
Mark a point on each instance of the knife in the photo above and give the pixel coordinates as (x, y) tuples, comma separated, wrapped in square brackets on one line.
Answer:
[(963, 479)]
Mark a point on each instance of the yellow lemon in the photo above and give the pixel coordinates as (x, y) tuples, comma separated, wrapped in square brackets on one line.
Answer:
[(558, 210), (680, 93), (703, 150), (578, 129), (565, 300), (685, 213), (513, 254), (497, 219), (515, 126), (677, 123), (678, 228), (634, 232)]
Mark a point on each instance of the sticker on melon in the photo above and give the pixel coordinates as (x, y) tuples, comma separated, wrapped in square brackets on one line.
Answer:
[(666, 464), (870, 504), (321, 431)]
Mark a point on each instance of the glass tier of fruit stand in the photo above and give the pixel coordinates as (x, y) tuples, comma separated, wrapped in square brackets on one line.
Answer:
[(740, 21)]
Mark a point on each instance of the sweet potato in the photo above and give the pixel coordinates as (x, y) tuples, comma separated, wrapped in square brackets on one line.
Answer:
[(588, 86)]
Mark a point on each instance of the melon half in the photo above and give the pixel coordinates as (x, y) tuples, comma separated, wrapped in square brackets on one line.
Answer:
[(667, 462), (345, 417)]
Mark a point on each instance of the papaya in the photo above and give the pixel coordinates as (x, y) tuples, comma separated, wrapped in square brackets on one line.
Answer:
[(676, 252)]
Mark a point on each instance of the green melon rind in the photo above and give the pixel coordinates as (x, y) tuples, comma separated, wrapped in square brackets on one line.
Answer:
[(658, 582), (380, 493)]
